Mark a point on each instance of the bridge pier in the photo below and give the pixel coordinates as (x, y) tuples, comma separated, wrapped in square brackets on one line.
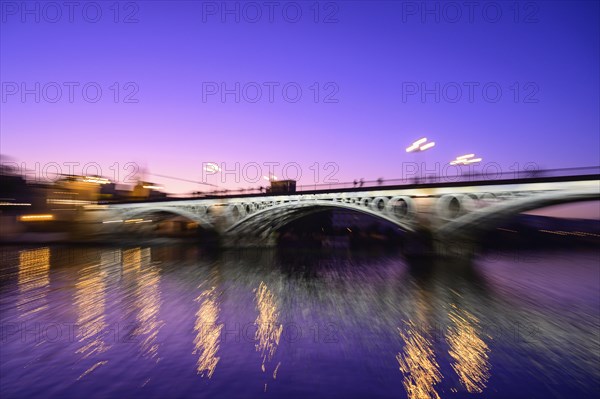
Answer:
[(455, 247), (248, 241)]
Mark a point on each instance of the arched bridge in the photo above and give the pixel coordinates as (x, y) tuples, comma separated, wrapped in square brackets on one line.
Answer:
[(447, 210)]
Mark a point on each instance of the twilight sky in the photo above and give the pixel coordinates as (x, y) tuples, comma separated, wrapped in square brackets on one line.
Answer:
[(511, 84)]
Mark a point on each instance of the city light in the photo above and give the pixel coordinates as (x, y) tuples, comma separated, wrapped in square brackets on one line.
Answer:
[(96, 179), (36, 218), (15, 204)]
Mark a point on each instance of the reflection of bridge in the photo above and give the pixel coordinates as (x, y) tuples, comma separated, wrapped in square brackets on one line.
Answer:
[(455, 210)]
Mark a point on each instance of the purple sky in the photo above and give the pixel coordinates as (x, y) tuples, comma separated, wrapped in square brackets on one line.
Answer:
[(544, 57)]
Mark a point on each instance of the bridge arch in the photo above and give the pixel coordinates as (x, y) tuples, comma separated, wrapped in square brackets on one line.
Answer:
[(488, 218), (266, 220), (198, 217)]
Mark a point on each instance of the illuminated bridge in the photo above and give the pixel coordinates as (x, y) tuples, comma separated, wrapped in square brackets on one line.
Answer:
[(446, 211)]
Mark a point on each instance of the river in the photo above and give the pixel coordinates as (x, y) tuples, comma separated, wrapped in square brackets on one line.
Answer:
[(175, 321)]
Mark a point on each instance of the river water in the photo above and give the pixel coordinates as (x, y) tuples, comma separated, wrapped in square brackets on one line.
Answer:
[(176, 321)]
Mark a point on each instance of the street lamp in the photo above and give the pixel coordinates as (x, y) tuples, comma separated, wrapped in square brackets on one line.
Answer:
[(420, 146), (211, 167), (465, 160)]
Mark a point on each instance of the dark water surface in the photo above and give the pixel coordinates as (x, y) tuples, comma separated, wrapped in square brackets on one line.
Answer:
[(176, 321)]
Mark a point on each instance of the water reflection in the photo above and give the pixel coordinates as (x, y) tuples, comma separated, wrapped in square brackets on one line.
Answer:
[(417, 363), (33, 280), (91, 321), (208, 332), (544, 317), (468, 350), (268, 331), (137, 262)]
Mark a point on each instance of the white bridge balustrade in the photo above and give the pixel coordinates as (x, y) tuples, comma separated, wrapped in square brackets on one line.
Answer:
[(449, 211)]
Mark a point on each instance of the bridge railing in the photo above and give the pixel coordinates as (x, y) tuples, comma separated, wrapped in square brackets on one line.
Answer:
[(426, 178), (411, 181)]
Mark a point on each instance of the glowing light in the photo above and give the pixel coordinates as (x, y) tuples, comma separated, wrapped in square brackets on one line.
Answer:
[(470, 353), (148, 301), (465, 160), (208, 333), (418, 364), (96, 179), (90, 304), (113, 221), (14, 204), (211, 167), (33, 280), (273, 177), (137, 264), (417, 145), (68, 201), (153, 187), (36, 218), (95, 206), (427, 146), (268, 332)]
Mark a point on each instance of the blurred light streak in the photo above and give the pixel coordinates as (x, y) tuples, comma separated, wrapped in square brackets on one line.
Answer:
[(33, 280), (268, 332), (570, 233), (34, 218), (95, 179), (470, 353), (418, 364), (427, 146), (69, 201), (90, 304), (208, 333), (147, 299)]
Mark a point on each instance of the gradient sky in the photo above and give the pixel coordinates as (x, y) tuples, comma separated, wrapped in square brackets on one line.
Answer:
[(373, 49)]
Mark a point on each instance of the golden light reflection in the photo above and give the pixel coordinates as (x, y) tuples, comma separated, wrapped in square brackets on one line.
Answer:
[(268, 331), (208, 333), (147, 298), (418, 364), (33, 280), (90, 304), (469, 352), (132, 260)]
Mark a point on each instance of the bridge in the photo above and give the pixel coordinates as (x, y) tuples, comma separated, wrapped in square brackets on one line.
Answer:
[(447, 211)]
